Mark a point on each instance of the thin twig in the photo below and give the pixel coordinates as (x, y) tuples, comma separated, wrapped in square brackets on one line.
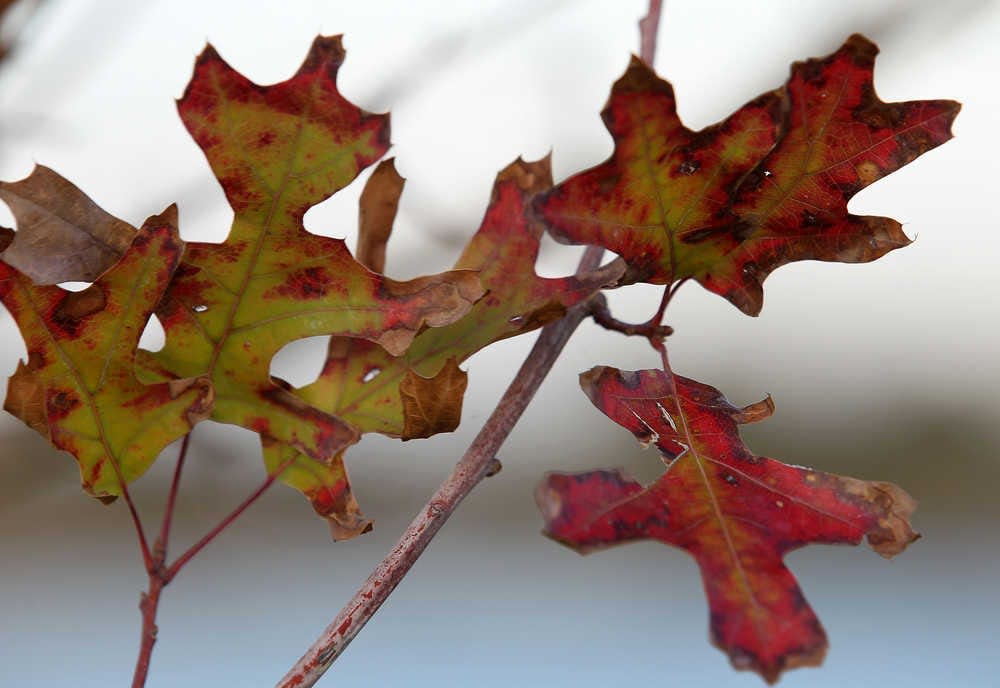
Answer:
[(160, 575), (147, 556), (160, 546), (148, 604), (150, 601), (668, 296), (651, 329), (477, 462), (192, 551), (648, 29), (468, 472)]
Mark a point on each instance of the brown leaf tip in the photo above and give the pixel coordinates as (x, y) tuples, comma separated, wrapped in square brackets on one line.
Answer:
[(549, 502), (754, 413), (639, 77), (893, 532), (861, 48), (530, 176), (771, 671), (207, 56), (327, 53)]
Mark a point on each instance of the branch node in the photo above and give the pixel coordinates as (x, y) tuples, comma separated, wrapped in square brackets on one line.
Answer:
[(651, 329)]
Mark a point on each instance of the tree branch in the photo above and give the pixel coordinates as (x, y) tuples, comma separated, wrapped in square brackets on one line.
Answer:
[(648, 29), (478, 462)]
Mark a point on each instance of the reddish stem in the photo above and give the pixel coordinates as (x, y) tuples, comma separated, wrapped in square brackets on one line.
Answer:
[(150, 600), (160, 575), (140, 531), (160, 546), (668, 296), (148, 605), (648, 29), (147, 556), (651, 329), (193, 550)]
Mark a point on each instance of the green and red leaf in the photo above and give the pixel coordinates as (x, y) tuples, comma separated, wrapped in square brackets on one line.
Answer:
[(736, 513), (768, 186), (420, 393), (78, 387), (277, 151), (363, 384)]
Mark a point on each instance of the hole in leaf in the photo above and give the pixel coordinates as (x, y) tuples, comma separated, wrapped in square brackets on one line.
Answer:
[(74, 286), (200, 308), (153, 337), (300, 362), (371, 374), (555, 259)]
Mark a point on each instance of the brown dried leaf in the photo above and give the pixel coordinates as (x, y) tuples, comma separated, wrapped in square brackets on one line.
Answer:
[(62, 235)]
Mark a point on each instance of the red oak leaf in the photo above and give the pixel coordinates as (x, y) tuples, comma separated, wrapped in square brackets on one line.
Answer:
[(736, 513), (766, 187)]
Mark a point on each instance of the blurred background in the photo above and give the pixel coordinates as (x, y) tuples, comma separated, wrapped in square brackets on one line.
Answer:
[(882, 371)]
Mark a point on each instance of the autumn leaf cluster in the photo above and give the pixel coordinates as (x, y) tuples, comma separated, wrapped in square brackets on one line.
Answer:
[(723, 206)]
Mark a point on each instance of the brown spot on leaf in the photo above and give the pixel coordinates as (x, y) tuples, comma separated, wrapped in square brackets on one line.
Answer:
[(76, 307), (59, 404), (868, 172), (6, 236)]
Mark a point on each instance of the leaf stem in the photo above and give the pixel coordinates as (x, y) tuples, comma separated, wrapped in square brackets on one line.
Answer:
[(170, 572), (160, 575), (651, 329), (668, 296), (147, 556), (160, 546)]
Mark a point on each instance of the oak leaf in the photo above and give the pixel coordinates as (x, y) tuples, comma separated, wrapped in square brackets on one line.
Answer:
[(736, 513), (78, 387), (277, 151), (767, 186), (363, 388), (420, 393)]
